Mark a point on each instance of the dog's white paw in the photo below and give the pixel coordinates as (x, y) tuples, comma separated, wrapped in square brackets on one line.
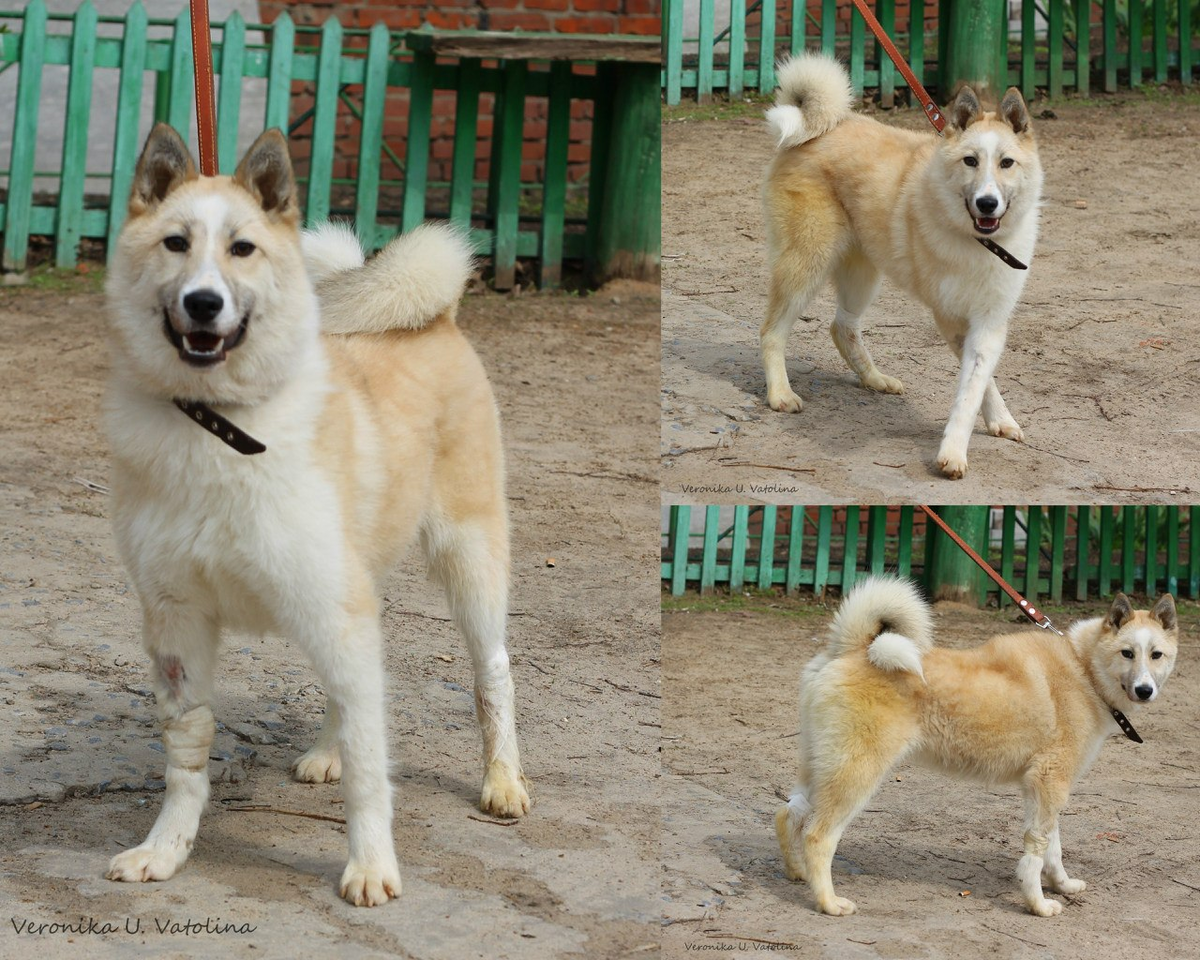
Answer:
[(504, 791), (952, 465), (1046, 908), (1069, 886), (882, 383), (146, 863), (1008, 429), (318, 765), (370, 885), (838, 907), (786, 401)]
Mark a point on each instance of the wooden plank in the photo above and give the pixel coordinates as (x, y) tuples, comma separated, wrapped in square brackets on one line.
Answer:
[(796, 549), (324, 128), (824, 535), (886, 15), (370, 144), (554, 183), (1151, 578), (466, 125), (416, 157), (766, 549), (75, 136), (904, 559), (1028, 50), (181, 93), (126, 142), (1008, 550), (850, 549), (857, 51), (799, 24), (1104, 575), (737, 49), (741, 540), (674, 43), (1160, 41), (916, 43), (680, 529), (1128, 548), (1033, 556), (766, 48), (1054, 39), (708, 559), (828, 26), (19, 205), (229, 95), (499, 45), (507, 135), (1083, 534), (1171, 566), (1186, 60), (1135, 18), (1111, 56), (1194, 553), (279, 72), (1083, 47), (704, 53), (877, 518), (1058, 545)]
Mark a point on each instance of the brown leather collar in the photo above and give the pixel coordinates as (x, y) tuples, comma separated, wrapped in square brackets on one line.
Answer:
[(221, 428), (1125, 725), (1002, 253)]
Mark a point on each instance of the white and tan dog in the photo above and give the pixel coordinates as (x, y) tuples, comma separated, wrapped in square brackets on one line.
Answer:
[(1029, 708), (851, 199), (380, 428)]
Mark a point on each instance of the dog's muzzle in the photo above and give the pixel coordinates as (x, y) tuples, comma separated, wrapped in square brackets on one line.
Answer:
[(984, 220), (203, 348)]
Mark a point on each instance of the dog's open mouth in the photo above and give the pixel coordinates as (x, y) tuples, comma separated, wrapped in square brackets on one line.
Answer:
[(984, 225), (202, 349)]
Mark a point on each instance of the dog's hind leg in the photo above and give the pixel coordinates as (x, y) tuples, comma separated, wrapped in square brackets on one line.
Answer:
[(1053, 869), (182, 643), (1043, 800), (322, 763), (468, 557), (789, 822), (857, 282)]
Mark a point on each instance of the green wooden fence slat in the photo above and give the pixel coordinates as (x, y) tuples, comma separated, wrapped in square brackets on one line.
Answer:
[(886, 15), (708, 560), (1083, 47), (796, 549), (1185, 44), (1058, 543), (181, 92), (1008, 549), (857, 51), (129, 101), (673, 32), (850, 553), (1194, 553), (1055, 43), (1128, 548), (704, 53), (229, 94), (1135, 18), (1083, 533), (904, 560), (737, 48), (916, 43), (416, 157), (466, 125), (1033, 540), (507, 142), (828, 26), (877, 539), (1151, 576), (741, 541), (799, 24), (766, 549), (324, 127), (681, 518), (554, 188), (75, 133), (25, 123), (370, 143), (824, 535), (1028, 49), (1171, 567), (1160, 41), (279, 72), (766, 48), (1107, 526), (1111, 55)]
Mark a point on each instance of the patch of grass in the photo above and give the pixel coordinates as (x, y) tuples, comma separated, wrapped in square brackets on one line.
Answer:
[(719, 108), (85, 278), (768, 602)]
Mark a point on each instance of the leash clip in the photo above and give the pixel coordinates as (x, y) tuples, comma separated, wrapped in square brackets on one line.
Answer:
[(1047, 625)]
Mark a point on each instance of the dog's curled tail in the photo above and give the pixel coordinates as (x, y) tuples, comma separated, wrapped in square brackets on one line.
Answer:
[(413, 280), (889, 618), (814, 96)]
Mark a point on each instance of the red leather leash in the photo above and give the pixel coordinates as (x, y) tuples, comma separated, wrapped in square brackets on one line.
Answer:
[(206, 111), (1023, 605)]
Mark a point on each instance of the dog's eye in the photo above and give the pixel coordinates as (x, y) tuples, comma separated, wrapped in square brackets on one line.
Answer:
[(1156, 655), (242, 248), (176, 244), (1127, 654), (971, 161), (1006, 163)]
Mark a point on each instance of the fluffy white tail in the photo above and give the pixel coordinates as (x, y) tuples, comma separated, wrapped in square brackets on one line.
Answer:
[(889, 618), (414, 279), (814, 96)]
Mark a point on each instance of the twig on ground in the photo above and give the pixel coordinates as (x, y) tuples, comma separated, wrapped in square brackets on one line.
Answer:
[(1032, 943), (263, 808), (767, 466), (1105, 486), (494, 823), (640, 693)]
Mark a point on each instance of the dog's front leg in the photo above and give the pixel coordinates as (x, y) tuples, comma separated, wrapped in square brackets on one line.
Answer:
[(1055, 872), (1041, 827), (182, 643), (980, 353)]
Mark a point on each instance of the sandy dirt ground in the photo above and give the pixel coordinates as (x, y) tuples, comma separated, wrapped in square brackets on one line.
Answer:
[(931, 861), (1103, 349), (79, 753)]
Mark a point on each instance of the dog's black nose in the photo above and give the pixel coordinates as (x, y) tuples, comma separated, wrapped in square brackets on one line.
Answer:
[(1144, 692), (203, 305), (987, 205)]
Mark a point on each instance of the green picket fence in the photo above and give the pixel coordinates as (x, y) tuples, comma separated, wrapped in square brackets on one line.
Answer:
[(354, 79), (1057, 46), (1045, 552)]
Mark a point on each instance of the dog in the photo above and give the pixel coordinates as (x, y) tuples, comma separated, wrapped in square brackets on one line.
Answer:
[(852, 199), (380, 429), (1026, 708)]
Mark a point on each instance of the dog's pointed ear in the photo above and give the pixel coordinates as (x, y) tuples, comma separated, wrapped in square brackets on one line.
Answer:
[(1120, 612), (1164, 612), (165, 163), (1014, 112), (964, 110), (266, 173)]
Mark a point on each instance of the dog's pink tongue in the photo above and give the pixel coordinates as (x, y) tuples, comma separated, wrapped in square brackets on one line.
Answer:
[(988, 223)]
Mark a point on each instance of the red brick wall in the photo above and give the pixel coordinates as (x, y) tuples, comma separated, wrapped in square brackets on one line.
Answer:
[(560, 16)]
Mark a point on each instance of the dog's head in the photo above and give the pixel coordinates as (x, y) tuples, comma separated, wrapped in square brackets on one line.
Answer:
[(208, 290), (990, 160), (1134, 651)]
